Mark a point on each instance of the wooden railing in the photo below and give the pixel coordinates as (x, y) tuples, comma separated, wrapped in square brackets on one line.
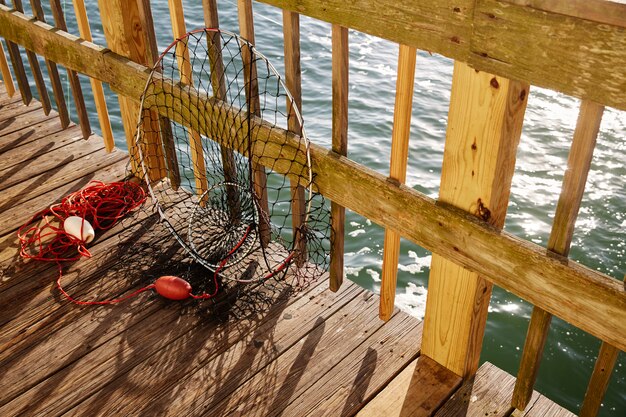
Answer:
[(501, 48)]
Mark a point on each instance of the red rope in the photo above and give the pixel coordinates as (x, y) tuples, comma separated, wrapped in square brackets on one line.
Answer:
[(102, 205)]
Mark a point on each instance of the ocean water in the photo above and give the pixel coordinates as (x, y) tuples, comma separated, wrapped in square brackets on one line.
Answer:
[(599, 241)]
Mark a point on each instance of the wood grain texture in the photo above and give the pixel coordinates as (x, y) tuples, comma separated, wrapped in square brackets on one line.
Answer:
[(418, 391), (53, 72), (484, 127), (246, 28), (96, 85), (612, 12), (572, 190), (125, 34), (20, 74), (488, 394), (293, 81), (587, 299), (340, 88), (179, 30), (510, 40), (532, 354), (397, 171), (7, 78), (77, 90), (599, 380)]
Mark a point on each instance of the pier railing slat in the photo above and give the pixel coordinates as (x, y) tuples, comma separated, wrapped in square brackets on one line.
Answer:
[(40, 84), (578, 164), (397, 171), (77, 91), (53, 73), (179, 29), (340, 86), (96, 86), (246, 28), (293, 80), (6, 72)]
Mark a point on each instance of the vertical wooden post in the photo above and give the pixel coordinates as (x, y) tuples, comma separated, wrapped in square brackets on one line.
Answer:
[(574, 180), (77, 91), (293, 78), (125, 35), (600, 378), (218, 84), (397, 171), (6, 73), (36, 70), (341, 60), (484, 127), (246, 27), (53, 72), (18, 69), (164, 124), (177, 16), (96, 85)]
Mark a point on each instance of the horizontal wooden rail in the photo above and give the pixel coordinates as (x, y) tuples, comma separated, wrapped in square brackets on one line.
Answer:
[(587, 299), (582, 53)]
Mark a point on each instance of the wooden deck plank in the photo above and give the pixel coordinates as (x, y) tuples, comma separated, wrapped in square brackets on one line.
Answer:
[(219, 370), (418, 391), (49, 141), (28, 134), (60, 173), (42, 161), (99, 361), (490, 393), (15, 109), (285, 377), (352, 383), (27, 119)]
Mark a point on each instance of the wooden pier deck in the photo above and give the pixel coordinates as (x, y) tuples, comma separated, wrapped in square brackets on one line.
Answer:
[(275, 351)]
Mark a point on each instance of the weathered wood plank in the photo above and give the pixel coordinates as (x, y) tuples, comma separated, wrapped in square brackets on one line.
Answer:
[(246, 28), (293, 81), (7, 78), (572, 190), (42, 162), (53, 72), (35, 69), (350, 384), (77, 91), (612, 12), (587, 299), (419, 390), (29, 134), (484, 127), (15, 123), (340, 86), (12, 109), (179, 30), (50, 142), (237, 353), (397, 171), (284, 374), (599, 380), (96, 85), (512, 41)]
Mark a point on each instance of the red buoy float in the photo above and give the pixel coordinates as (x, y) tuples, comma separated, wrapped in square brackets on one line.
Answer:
[(173, 288)]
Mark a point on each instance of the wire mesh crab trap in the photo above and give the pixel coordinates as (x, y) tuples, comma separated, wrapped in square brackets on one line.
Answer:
[(216, 149)]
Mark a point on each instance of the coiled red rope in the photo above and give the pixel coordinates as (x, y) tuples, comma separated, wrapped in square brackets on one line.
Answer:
[(101, 204)]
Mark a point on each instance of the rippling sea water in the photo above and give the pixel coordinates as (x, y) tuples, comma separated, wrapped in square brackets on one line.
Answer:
[(599, 241)]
